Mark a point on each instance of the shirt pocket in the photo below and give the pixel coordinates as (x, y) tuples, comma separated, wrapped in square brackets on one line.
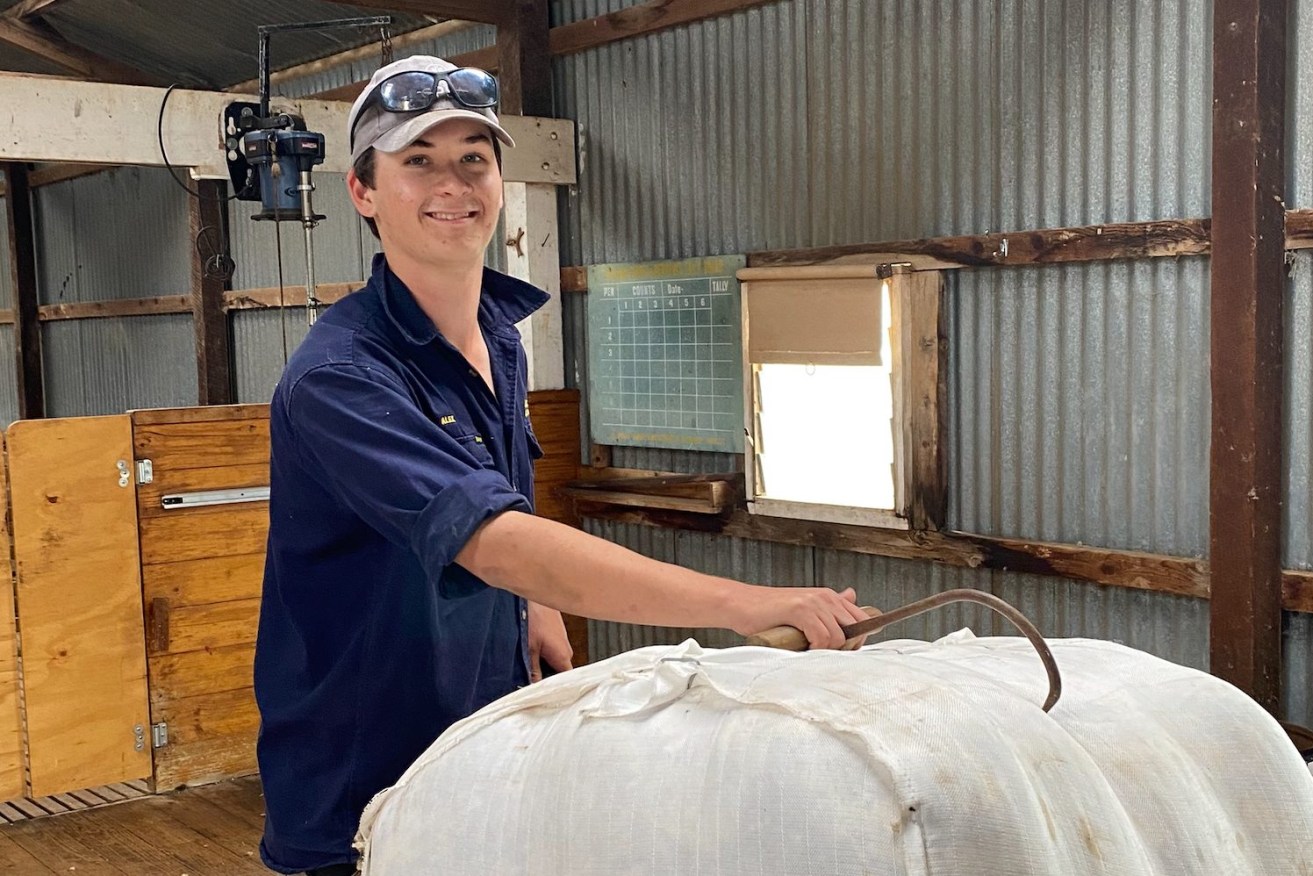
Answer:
[(472, 442)]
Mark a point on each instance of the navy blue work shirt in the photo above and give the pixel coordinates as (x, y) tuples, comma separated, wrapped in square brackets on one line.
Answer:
[(388, 452)]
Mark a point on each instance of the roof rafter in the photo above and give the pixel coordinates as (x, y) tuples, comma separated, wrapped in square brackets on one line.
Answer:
[(40, 39), (483, 11)]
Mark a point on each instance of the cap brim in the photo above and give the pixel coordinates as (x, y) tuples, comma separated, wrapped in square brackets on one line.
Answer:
[(404, 134)]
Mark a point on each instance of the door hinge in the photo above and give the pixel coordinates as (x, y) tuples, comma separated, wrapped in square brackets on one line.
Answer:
[(159, 735), (145, 471), (139, 734)]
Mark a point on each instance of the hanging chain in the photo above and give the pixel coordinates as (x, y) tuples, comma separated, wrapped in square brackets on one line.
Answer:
[(385, 41)]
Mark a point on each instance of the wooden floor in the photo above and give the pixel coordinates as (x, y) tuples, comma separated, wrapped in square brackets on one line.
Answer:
[(212, 830)]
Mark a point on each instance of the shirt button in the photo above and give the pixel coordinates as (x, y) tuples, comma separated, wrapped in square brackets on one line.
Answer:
[(524, 614)]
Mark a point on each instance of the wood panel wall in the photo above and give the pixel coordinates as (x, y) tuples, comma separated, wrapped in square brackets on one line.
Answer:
[(11, 724), (201, 577)]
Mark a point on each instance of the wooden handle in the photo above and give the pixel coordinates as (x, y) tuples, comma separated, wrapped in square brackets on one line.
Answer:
[(789, 638)]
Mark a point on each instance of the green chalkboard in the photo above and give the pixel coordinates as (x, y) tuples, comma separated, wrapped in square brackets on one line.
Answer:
[(665, 354)]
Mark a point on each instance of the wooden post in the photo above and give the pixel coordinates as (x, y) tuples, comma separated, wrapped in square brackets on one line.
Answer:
[(1247, 295), (207, 221), (532, 241), (22, 272)]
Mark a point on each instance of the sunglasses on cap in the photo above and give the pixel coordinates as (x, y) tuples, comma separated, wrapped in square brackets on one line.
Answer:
[(416, 90)]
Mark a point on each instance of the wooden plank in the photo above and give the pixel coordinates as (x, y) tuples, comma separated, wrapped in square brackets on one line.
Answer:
[(22, 267), (1248, 292), (574, 279), (204, 627), (49, 174), (701, 505), (555, 418), (1297, 591), (638, 20), (368, 53), (204, 581), (1126, 240), (288, 296), (207, 414), (235, 832), (196, 673), (32, 8), (168, 481), (79, 602), (16, 859), (59, 850), (524, 61), (11, 724), (1182, 576), (45, 42), (497, 12), (117, 308), (211, 737), (924, 377), (170, 446), (151, 824), (237, 530), (99, 830)]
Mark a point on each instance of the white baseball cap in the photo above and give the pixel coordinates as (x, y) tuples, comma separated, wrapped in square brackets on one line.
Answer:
[(370, 124)]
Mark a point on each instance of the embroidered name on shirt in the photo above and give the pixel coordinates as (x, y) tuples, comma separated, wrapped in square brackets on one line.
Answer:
[(447, 420)]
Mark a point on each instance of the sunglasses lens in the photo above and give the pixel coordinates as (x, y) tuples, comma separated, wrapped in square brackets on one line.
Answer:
[(473, 87), (407, 91)]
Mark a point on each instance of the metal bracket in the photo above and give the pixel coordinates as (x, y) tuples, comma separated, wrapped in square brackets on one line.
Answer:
[(200, 499), (139, 733), (124, 478), (159, 735), (145, 471), (888, 269)]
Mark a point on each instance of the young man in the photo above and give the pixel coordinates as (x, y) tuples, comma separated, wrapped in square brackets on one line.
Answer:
[(407, 582)]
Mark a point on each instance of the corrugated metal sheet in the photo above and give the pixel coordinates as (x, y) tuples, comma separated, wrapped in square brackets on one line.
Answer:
[(1297, 691), (1079, 400), (791, 124), (209, 44), (1299, 415), (6, 278), (19, 61), (342, 242), (467, 40), (8, 377), (262, 341), (108, 366), (119, 234)]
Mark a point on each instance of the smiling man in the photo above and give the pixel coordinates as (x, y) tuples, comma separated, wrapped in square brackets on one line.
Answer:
[(407, 582)]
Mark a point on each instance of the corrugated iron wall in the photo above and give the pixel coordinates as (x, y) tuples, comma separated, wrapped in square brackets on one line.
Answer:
[(1079, 394)]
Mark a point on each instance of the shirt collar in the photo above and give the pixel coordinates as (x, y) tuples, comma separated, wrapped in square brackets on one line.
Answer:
[(504, 301)]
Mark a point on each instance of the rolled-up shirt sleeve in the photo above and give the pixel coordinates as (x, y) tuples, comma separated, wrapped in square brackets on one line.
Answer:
[(383, 457)]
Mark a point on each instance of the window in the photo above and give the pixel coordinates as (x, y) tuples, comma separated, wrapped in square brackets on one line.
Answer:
[(843, 395)]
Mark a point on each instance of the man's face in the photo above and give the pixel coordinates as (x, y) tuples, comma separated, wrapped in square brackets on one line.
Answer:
[(436, 202)]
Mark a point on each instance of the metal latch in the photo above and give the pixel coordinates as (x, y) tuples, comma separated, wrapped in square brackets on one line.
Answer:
[(888, 269), (214, 497), (159, 735), (145, 471)]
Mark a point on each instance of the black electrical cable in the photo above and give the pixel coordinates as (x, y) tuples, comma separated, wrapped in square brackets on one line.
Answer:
[(282, 301), (159, 132)]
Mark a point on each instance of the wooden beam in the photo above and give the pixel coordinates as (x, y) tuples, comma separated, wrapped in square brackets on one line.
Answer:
[(119, 307), (400, 43), (32, 8), (1127, 240), (524, 62), (485, 11), (207, 221), (1248, 283), (644, 18), (22, 274), (40, 39), (288, 296), (1180, 576), (640, 19)]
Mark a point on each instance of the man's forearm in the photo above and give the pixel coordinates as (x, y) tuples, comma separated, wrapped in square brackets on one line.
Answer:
[(577, 573)]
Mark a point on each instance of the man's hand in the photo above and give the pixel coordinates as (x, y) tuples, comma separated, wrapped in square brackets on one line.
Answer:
[(818, 612), (547, 641)]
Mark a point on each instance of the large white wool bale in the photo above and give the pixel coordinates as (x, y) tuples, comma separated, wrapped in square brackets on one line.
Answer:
[(902, 758)]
